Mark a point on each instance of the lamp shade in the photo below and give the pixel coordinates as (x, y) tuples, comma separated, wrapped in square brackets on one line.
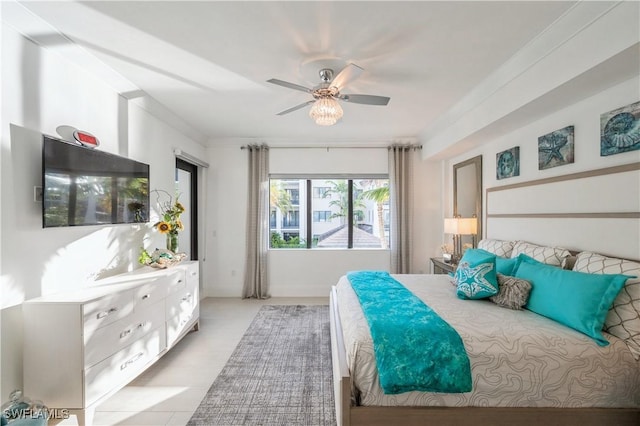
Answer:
[(460, 226), (326, 111), (467, 226), (451, 225)]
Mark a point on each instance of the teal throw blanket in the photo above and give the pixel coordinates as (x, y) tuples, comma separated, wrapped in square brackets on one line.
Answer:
[(415, 349)]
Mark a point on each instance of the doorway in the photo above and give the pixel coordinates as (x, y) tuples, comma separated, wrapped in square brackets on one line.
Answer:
[(187, 187)]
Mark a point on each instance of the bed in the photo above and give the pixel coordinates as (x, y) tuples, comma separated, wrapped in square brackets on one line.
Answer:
[(526, 368)]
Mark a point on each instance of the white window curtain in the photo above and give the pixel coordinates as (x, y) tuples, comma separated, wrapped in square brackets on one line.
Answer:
[(401, 206), (256, 279)]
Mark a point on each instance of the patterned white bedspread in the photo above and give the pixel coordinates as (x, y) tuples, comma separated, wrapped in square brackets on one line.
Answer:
[(518, 358)]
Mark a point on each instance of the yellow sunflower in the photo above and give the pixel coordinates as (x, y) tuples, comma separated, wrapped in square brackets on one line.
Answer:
[(179, 225), (163, 227)]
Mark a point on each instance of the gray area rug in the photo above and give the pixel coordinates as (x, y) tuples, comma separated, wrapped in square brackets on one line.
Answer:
[(279, 374)]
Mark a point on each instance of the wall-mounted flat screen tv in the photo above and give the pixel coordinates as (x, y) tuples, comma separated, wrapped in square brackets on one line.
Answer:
[(85, 186)]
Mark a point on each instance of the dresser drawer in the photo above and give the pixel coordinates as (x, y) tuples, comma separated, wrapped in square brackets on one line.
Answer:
[(181, 309), (123, 366), (192, 274), (107, 309), (178, 324), (149, 294), (175, 281), (181, 301), (111, 338)]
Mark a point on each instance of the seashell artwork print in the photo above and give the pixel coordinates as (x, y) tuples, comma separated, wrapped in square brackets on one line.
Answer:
[(508, 163), (620, 130), (556, 148)]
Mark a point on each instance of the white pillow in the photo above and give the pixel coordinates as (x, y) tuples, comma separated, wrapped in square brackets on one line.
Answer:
[(549, 255), (497, 247), (623, 319)]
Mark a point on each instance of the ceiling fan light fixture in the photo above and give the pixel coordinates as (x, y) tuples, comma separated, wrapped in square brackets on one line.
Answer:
[(326, 111)]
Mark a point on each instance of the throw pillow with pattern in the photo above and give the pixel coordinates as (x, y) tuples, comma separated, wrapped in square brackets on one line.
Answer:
[(497, 247), (623, 319), (513, 292), (476, 275)]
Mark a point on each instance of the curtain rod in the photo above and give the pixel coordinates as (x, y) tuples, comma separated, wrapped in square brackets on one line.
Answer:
[(190, 158), (339, 147)]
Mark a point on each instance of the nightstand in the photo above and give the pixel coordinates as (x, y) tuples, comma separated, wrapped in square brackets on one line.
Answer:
[(441, 267)]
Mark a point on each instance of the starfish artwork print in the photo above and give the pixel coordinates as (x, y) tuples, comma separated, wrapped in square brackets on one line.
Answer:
[(556, 148)]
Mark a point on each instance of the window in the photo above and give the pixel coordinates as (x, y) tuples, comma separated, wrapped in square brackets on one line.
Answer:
[(294, 196), (320, 191), (341, 213), (322, 216), (291, 219)]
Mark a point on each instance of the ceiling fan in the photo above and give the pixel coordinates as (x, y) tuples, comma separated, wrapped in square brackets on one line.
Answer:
[(326, 109)]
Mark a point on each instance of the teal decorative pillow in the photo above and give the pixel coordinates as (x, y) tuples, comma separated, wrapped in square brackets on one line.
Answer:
[(476, 275), (576, 299), (504, 266)]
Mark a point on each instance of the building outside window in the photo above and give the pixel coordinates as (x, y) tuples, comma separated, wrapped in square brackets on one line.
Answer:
[(342, 213), (294, 195), (291, 219), (320, 191), (321, 216)]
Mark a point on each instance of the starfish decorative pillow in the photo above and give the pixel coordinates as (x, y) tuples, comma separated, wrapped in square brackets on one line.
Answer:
[(476, 275)]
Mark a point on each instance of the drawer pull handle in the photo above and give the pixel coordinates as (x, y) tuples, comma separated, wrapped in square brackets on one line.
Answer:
[(146, 296), (187, 297), (106, 313), (193, 274), (185, 321), (129, 331), (132, 360)]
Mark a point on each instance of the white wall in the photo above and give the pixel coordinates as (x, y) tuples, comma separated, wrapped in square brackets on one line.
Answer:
[(585, 116), (585, 51), (40, 91), (225, 234), (305, 272), (584, 65)]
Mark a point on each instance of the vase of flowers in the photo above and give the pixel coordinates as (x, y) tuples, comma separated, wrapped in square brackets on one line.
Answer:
[(170, 223), (172, 241)]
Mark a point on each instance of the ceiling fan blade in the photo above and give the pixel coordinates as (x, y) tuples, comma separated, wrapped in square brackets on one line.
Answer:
[(366, 99), (297, 107), (289, 85), (348, 74)]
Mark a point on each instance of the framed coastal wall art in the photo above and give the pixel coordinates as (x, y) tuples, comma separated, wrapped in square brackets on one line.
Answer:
[(620, 130), (508, 163), (556, 148)]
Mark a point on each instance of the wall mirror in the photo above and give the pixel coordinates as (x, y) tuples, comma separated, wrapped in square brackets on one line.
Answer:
[(467, 194)]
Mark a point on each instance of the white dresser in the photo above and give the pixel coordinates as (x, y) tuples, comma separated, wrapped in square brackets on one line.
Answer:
[(81, 347)]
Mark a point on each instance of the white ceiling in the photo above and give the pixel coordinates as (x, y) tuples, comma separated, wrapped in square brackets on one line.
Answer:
[(208, 62)]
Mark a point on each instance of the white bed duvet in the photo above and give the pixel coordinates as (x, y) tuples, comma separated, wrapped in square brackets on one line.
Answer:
[(518, 358)]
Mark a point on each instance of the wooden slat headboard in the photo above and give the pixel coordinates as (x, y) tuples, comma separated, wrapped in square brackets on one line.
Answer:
[(596, 210)]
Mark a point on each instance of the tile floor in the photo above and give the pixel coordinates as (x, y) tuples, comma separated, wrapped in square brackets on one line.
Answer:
[(169, 392)]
